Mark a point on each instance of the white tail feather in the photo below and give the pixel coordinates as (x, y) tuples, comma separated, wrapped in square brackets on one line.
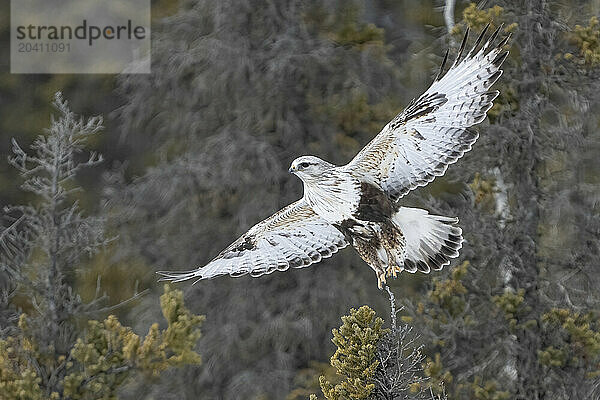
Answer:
[(430, 240)]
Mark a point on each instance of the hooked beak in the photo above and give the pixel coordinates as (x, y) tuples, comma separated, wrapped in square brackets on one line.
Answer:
[(292, 170)]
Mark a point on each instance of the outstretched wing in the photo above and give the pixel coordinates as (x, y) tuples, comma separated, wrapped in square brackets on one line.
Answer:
[(294, 237), (431, 133)]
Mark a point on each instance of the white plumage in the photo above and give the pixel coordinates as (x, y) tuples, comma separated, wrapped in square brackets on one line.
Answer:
[(425, 235), (432, 132), (293, 237), (357, 203)]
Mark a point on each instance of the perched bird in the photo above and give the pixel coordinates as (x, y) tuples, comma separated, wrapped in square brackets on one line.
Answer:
[(357, 203)]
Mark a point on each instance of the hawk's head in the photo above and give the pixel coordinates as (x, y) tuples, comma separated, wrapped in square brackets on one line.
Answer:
[(307, 167)]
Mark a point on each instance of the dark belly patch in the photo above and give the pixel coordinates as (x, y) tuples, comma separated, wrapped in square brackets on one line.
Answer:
[(374, 204), (369, 237)]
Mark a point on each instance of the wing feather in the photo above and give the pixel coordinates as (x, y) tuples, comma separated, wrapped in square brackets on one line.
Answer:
[(432, 131), (293, 237)]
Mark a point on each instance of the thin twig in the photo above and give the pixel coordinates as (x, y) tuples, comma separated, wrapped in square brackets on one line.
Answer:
[(122, 303), (392, 306)]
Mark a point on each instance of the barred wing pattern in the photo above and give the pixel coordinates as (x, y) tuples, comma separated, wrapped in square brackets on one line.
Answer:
[(294, 237), (432, 132)]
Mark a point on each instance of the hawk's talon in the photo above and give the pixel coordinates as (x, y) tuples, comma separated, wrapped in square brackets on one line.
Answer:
[(392, 271)]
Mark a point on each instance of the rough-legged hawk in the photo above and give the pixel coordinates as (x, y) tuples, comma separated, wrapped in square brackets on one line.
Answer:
[(357, 203)]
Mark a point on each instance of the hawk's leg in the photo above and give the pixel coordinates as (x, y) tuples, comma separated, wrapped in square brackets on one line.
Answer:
[(392, 267), (380, 279), (367, 243), (394, 243)]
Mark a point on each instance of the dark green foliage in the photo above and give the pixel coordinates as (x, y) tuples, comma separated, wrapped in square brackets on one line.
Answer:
[(102, 360), (376, 363), (577, 340), (343, 25), (527, 247), (239, 89), (230, 123), (307, 382), (587, 41), (43, 242), (355, 357), (55, 350), (482, 320)]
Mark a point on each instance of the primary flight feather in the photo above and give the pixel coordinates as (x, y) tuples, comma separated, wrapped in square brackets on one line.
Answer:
[(357, 203)]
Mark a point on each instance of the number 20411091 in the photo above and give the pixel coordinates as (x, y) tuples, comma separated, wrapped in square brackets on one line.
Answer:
[(26, 47)]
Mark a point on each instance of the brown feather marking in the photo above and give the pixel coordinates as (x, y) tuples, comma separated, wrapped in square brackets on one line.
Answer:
[(420, 107), (247, 244), (238, 248), (374, 205), (345, 227)]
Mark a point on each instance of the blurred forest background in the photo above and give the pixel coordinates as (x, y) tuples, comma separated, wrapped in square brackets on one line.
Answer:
[(164, 170)]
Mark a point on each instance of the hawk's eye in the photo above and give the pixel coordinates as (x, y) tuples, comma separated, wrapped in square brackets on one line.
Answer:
[(304, 165)]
